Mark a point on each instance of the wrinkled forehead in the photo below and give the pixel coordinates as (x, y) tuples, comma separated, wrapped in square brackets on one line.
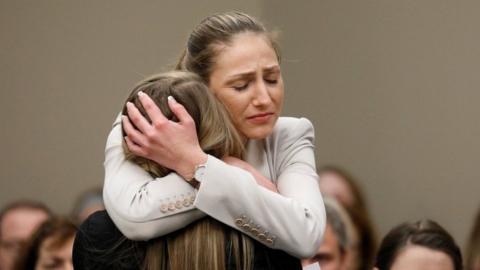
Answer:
[(245, 53)]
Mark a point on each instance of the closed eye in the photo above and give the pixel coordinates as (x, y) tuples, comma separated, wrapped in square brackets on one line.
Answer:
[(240, 87), (271, 81)]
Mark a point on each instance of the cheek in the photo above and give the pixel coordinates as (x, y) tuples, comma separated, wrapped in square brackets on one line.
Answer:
[(279, 94)]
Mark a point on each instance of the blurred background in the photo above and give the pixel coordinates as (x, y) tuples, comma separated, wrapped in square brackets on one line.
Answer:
[(392, 88)]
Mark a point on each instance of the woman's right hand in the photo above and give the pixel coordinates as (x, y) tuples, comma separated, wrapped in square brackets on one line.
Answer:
[(171, 144)]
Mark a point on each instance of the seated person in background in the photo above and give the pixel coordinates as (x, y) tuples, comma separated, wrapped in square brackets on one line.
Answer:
[(50, 247), (473, 248), (18, 220), (333, 253), (86, 204), (338, 183), (421, 245), (204, 244)]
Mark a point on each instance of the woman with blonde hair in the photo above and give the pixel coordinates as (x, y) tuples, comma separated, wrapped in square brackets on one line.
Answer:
[(271, 195), (206, 243)]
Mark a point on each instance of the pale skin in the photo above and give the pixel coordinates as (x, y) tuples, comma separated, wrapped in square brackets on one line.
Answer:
[(246, 78)]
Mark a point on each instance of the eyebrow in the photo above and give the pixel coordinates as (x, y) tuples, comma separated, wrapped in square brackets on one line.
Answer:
[(249, 74)]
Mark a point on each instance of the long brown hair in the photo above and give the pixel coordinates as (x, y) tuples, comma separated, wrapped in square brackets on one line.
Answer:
[(203, 244)]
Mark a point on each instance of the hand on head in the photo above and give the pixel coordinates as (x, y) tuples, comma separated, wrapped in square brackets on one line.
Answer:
[(170, 144)]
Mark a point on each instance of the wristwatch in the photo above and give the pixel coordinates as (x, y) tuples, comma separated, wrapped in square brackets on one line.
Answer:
[(198, 174)]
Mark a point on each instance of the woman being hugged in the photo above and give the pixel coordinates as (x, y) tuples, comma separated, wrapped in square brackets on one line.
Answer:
[(272, 196)]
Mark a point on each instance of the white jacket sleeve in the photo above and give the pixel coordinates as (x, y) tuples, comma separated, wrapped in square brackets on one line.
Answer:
[(144, 208), (139, 204), (294, 220)]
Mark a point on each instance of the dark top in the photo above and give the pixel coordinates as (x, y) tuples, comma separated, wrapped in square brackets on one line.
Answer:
[(100, 245)]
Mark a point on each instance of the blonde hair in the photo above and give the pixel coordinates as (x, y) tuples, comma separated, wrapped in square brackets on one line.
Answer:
[(216, 134), (201, 50), (201, 245)]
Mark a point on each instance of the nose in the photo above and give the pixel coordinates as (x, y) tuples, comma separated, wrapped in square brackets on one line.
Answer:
[(261, 94)]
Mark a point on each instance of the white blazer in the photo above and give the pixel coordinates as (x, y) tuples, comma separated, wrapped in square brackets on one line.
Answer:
[(294, 220)]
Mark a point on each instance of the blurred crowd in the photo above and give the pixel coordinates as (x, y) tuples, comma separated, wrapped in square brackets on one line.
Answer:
[(33, 237)]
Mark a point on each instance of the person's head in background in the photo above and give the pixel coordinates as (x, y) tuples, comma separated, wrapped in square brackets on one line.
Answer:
[(86, 204), (50, 247), (18, 220), (336, 182), (334, 250), (473, 248), (421, 245)]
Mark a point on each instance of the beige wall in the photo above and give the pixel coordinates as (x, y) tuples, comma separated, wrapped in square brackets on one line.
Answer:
[(391, 87), (66, 69), (393, 90)]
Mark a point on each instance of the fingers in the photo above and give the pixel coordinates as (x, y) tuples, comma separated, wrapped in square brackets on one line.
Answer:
[(137, 118), (134, 135), (179, 111), (152, 109), (134, 148)]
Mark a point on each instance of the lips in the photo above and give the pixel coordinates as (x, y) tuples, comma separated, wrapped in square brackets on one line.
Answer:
[(260, 118)]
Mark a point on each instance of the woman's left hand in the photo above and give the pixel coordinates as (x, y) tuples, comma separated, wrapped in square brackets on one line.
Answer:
[(261, 180)]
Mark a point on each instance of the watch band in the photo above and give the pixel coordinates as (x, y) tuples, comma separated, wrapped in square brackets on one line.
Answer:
[(198, 174)]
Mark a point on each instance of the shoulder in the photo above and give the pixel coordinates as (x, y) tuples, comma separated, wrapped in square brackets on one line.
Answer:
[(100, 245), (291, 129), (98, 229)]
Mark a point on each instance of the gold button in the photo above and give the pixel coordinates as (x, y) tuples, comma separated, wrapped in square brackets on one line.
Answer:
[(239, 222), (255, 232), (178, 204), (246, 227), (171, 206), (269, 241), (186, 202), (163, 208), (192, 199), (262, 237)]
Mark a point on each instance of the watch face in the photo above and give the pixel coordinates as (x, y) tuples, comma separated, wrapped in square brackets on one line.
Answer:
[(200, 172)]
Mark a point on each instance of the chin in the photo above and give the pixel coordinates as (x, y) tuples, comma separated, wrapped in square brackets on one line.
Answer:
[(259, 133)]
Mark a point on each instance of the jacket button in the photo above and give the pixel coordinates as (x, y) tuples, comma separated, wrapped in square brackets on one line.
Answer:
[(186, 202), (269, 241), (171, 206), (246, 227), (179, 205), (239, 222), (262, 237), (163, 208)]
